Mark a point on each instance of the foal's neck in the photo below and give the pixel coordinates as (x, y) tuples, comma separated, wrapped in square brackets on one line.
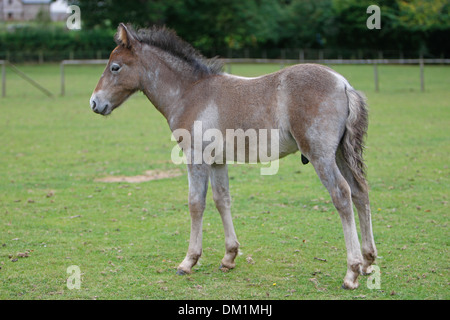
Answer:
[(164, 81)]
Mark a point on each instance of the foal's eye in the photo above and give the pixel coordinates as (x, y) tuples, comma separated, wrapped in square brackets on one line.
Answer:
[(115, 68)]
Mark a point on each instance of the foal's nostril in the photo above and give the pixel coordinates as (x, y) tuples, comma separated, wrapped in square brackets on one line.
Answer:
[(99, 107)]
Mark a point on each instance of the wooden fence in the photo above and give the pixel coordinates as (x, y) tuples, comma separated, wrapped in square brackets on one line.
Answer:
[(229, 62), (5, 63), (76, 62), (284, 62), (375, 62)]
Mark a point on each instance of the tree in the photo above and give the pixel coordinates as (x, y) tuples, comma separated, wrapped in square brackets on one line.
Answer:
[(429, 20), (307, 23), (231, 23), (212, 25), (109, 13)]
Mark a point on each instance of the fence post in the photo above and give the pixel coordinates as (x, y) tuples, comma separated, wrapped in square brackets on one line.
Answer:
[(29, 80), (4, 79), (422, 80), (283, 57), (229, 67), (63, 89), (41, 56), (375, 75), (301, 55)]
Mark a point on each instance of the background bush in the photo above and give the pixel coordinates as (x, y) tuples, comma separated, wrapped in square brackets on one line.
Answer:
[(251, 28)]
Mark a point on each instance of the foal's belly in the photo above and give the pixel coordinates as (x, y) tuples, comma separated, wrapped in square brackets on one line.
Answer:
[(256, 146), (288, 145)]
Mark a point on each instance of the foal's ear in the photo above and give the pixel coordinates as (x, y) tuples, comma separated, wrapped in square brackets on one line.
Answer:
[(126, 37)]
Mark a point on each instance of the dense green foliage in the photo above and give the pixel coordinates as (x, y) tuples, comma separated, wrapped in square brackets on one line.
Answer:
[(54, 42), (408, 25), (255, 28), (54, 38)]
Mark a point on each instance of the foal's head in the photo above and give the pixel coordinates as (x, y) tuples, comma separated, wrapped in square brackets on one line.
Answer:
[(121, 76)]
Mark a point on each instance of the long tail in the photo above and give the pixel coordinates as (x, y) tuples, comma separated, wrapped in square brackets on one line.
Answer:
[(355, 133)]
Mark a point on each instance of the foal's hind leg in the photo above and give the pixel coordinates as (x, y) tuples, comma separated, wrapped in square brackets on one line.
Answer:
[(360, 197), (198, 186), (340, 193), (221, 196)]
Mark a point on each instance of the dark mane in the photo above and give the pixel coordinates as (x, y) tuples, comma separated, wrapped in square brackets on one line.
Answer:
[(168, 41)]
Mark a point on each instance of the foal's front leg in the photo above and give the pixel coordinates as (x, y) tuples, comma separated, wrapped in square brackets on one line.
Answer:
[(198, 186), (222, 199)]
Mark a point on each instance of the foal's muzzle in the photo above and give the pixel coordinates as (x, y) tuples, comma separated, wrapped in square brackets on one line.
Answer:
[(100, 107)]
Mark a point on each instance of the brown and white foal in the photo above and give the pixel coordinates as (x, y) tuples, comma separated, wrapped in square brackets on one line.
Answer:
[(313, 108)]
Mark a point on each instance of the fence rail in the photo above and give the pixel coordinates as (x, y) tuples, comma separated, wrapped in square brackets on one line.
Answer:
[(283, 62), (34, 83), (54, 55), (76, 62), (339, 61)]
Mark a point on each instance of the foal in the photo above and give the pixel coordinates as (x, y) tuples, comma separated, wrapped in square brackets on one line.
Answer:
[(313, 108)]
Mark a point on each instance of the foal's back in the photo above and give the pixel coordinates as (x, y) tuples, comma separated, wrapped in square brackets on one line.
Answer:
[(254, 102), (292, 100)]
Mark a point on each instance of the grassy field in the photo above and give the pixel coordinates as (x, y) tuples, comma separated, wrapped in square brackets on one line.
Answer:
[(127, 239)]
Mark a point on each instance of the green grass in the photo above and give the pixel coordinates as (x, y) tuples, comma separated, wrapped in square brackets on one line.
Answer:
[(128, 239)]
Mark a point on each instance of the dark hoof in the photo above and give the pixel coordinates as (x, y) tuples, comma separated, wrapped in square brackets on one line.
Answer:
[(223, 268), (181, 272), (368, 272), (351, 287)]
